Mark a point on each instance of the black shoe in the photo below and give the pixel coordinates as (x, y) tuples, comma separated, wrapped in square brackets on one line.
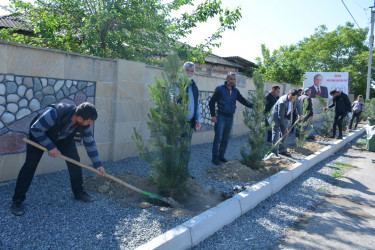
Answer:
[(339, 137), (216, 161), (18, 208), (83, 196), (285, 154), (332, 137), (223, 160)]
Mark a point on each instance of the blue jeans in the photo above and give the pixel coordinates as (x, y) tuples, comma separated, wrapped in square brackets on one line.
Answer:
[(222, 133)]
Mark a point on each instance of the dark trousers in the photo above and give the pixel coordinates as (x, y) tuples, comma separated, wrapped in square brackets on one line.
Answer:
[(269, 132), (222, 134), (338, 122), (355, 115), (67, 147)]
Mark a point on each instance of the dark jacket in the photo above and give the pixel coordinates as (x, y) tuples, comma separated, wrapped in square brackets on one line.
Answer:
[(63, 119), (342, 104), (270, 101), (226, 102), (306, 98), (196, 99), (323, 92)]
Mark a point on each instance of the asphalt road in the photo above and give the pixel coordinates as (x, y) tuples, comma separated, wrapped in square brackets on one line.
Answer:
[(346, 218)]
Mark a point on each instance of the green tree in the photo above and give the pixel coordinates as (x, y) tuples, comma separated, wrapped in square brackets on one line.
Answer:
[(169, 154), (344, 49), (302, 126), (328, 116), (254, 152), (136, 30)]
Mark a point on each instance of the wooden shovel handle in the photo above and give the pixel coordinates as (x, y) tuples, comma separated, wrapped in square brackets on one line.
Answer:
[(86, 167)]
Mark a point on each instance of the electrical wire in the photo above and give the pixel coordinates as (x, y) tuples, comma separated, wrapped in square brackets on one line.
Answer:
[(350, 13)]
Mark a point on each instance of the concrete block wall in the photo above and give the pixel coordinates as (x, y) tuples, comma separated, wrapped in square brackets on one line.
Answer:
[(120, 97)]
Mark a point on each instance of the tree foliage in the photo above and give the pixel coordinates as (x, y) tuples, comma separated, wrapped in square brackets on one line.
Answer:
[(328, 117), (169, 154), (254, 152), (136, 30), (302, 126), (344, 49)]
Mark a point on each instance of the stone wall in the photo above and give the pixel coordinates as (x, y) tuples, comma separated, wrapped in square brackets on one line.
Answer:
[(33, 77), (24, 97)]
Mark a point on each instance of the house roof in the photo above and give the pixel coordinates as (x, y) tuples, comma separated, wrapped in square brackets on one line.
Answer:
[(11, 21), (214, 59), (239, 60)]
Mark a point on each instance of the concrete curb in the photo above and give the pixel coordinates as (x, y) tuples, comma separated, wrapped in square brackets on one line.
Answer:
[(207, 223)]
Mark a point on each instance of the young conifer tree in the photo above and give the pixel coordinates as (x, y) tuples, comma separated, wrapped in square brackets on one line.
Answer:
[(302, 126), (169, 142), (256, 149), (328, 117)]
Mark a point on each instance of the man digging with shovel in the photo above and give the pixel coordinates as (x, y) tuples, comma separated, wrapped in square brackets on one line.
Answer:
[(281, 113), (58, 128)]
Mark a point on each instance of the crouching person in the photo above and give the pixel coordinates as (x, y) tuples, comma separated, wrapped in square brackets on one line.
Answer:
[(58, 128)]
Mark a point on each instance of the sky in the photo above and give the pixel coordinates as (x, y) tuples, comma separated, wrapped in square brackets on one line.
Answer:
[(276, 23)]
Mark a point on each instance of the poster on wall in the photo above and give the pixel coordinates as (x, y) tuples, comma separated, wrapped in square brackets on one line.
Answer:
[(321, 83)]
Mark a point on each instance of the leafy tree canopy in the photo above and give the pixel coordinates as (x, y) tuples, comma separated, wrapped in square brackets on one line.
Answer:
[(344, 49), (138, 30)]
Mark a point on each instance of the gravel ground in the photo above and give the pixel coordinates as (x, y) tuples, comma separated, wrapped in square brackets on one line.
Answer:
[(266, 224), (54, 220)]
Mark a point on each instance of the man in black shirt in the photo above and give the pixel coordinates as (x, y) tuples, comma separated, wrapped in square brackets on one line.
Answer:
[(342, 106), (271, 99)]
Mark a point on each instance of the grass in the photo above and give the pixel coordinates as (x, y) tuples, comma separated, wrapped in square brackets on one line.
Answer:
[(337, 174), (341, 168), (344, 165), (362, 141), (294, 227)]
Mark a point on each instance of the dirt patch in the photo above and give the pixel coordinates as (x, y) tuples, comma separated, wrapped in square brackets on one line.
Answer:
[(195, 201), (323, 138), (308, 149), (197, 198), (235, 171)]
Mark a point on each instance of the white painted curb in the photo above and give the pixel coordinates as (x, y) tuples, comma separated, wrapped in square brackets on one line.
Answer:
[(207, 223)]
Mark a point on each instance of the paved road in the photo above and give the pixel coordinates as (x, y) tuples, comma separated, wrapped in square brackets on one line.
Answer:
[(346, 218)]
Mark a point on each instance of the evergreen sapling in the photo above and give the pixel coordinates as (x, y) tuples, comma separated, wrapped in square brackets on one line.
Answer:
[(170, 132), (256, 149), (302, 126)]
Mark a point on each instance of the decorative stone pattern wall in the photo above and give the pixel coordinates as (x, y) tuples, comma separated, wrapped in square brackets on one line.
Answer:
[(23, 97), (204, 99)]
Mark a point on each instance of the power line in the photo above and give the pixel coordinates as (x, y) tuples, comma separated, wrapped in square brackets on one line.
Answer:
[(350, 13)]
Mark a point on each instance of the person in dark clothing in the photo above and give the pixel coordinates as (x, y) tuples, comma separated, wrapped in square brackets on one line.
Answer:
[(342, 106), (357, 111), (58, 128), (271, 99), (298, 107), (302, 99), (225, 96)]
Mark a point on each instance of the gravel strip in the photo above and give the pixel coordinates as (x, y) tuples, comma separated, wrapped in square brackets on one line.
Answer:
[(54, 220)]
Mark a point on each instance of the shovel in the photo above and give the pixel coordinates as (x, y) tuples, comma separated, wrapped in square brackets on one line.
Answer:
[(170, 202), (269, 154)]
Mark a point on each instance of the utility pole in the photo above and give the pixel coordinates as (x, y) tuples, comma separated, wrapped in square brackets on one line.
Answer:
[(370, 53)]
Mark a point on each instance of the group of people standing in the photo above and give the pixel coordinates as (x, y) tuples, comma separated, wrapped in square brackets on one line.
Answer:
[(61, 125)]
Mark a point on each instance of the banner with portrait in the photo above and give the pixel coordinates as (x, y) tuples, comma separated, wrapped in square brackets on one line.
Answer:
[(321, 83)]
